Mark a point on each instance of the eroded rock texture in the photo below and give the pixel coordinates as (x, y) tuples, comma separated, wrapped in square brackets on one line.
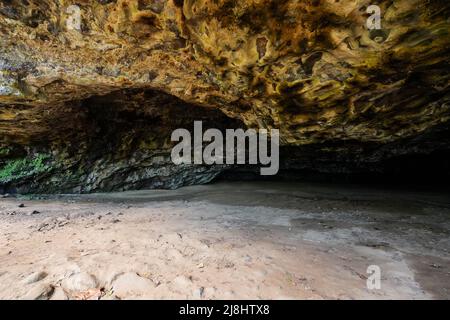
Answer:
[(92, 109)]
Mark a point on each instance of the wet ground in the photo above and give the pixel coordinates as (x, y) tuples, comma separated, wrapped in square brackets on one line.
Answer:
[(260, 240)]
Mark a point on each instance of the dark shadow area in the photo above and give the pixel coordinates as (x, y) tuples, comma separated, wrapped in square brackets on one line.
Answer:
[(421, 162)]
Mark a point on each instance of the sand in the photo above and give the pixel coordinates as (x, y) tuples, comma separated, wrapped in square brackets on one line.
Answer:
[(259, 240)]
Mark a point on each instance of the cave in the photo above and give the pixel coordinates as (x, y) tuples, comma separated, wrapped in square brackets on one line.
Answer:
[(91, 93)]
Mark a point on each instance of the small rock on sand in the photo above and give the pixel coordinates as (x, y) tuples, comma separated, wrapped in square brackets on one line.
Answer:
[(79, 282), (32, 213), (131, 284), (35, 277)]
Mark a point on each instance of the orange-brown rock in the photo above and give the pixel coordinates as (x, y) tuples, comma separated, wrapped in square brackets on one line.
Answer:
[(311, 68)]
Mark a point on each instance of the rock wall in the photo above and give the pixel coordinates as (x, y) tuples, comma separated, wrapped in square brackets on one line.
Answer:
[(92, 108), (119, 141)]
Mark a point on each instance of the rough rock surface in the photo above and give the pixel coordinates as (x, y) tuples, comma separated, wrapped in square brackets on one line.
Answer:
[(92, 109)]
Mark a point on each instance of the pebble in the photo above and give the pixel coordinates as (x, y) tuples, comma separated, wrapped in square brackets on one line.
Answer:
[(79, 282), (34, 212), (131, 283), (35, 277)]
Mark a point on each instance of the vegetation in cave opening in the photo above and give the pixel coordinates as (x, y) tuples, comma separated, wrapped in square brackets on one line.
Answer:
[(24, 167)]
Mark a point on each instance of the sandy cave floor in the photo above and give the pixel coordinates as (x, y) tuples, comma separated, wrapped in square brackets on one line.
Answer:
[(252, 240)]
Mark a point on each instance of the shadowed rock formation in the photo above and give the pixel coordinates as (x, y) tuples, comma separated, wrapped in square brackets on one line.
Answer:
[(92, 109)]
